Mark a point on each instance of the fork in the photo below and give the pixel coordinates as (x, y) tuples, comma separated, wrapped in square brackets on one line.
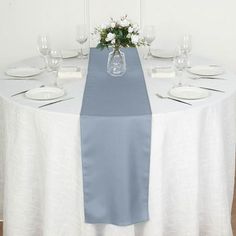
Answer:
[(24, 91), (177, 100)]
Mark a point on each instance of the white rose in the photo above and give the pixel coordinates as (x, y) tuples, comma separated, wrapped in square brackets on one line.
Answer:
[(130, 29), (124, 23), (113, 24), (103, 26), (113, 41), (135, 27), (135, 39), (110, 37)]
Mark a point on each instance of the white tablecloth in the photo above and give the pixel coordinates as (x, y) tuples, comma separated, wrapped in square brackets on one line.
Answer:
[(192, 161)]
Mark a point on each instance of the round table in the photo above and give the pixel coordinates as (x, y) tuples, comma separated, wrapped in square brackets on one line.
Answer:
[(192, 160)]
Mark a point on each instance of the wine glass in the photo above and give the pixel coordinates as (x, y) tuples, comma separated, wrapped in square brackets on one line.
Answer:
[(54, 62), (81, 37), (180, 64), (149, 33), (44, 48)]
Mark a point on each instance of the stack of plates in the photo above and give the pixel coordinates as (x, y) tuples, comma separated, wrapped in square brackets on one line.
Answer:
[(45, 93), (165, 54), (23, 72), (189, 93), (206, 70), (69, 53)]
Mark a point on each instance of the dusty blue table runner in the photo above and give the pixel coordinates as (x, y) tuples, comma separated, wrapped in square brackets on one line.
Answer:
[(115, 140)]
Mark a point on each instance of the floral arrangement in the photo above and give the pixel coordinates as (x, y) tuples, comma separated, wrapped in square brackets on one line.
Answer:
[(120, 33)]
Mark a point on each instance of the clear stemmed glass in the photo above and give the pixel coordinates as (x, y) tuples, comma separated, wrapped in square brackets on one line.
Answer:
[(81, 37), (180, 64), (44, 48), (54, 62), (149, 33)]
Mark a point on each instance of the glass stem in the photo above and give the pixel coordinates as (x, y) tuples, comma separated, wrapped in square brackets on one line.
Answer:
[(148, 55), (181, 79), (46, 63), (55, 79), (149, 51), (188, 61), (81, 51)]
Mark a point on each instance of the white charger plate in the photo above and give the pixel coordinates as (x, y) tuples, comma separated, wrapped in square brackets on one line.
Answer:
[(160, 53), (45, 93), (189, 93), (69, 53), (23, 72), (206, 70)]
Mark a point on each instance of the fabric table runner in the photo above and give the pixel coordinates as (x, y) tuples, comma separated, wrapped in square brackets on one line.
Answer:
[(115, 141)]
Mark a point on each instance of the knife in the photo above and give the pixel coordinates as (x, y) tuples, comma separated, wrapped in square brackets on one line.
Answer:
[(61, 100), (212, 89), (207, 77), (28, 79)]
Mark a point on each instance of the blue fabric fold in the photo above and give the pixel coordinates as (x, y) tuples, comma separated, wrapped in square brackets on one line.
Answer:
[(115, 140)]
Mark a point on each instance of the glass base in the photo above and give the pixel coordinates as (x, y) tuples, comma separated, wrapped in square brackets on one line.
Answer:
[(116, 64)]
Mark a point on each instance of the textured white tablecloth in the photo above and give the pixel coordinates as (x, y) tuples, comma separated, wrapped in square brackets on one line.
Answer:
[(192, 162)]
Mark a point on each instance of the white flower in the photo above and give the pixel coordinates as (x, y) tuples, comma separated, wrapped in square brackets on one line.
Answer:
[(128, 36), (135, 27), (124, 23), (130, 29), (134, 39), (113, 41), (103, 26), (113, 24), (110, 37)]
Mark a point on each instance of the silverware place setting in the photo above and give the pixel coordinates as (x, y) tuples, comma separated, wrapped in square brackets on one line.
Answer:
[(212, 89), (24, 91), (207, 78), (173, 99), (15, 78), (58, 101)]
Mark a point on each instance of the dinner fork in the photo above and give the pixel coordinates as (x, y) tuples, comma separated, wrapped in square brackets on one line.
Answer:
[(24, 91), (177, 100)]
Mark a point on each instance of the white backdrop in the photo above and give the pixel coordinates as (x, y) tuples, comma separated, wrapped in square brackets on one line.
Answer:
[(211, 22)]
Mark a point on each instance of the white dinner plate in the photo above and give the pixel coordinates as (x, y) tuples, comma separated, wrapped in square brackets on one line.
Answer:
[(45, 93), (23, 72), (205, 70), (69, 53), (161, 53), (189, 93)]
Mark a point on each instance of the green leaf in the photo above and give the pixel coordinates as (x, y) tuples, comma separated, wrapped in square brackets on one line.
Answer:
[(100, 46)]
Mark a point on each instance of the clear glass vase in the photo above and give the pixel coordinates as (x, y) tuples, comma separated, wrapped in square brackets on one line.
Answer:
[(116, 64)]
